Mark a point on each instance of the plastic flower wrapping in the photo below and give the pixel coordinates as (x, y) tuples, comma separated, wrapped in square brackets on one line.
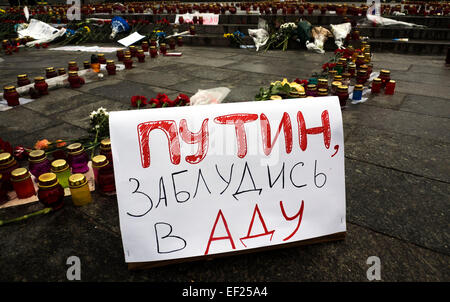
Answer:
[(118, 25)]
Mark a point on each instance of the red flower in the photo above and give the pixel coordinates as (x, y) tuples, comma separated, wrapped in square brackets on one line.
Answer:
[(138, 101), (20, 153), (328, 66), (164, 100), (155, 103), (182, 100), (5, 146)]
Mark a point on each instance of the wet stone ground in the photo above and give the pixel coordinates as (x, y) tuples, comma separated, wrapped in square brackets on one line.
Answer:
[(397, 171)]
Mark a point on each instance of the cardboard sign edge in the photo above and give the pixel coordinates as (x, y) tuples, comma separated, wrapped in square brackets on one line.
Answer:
[(154, 264)]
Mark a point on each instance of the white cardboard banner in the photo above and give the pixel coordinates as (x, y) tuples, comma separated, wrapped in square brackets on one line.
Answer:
[(208, 19), (203, 180)]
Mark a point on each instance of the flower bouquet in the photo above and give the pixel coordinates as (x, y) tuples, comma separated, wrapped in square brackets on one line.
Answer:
[(280, 90), (281, 37), (235, 38)]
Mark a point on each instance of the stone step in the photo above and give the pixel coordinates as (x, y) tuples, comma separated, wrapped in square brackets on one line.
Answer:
[(378, 45), (402, 32), (315, 19)]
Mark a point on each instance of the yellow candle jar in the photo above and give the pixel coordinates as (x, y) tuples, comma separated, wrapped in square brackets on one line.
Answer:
[(79, 189)]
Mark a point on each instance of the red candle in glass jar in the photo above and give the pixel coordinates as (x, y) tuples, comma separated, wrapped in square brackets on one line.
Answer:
[(385, 76), (172, 44), (342, 94), (181, 20), (180, 41), (152, 42), (141, 56), (61, 71), (22, 183), (133, 50), (120, 55), (73, 66), (376, 85), (75, 81), (50, 192), (145, 46), (128, 62), (22, 80), (50, 72), (7, 165), (101, 58), (110, 67), (192, 30), (153, 52), (390, 87), (200, 20), (11, 95), (163, 48)]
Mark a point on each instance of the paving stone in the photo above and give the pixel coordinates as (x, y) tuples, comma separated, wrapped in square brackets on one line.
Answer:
[(407, 153), (80, 115), (427, 69), (426, 105), (154, 78), (400, 205), (209, 73), (344, 261), (60, 100), (402, 122), (193, 86), (433, 90), (385, 101), (19, 121), (61, 131), (122, 91)]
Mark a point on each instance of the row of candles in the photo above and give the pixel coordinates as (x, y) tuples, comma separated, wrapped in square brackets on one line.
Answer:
[(11, 95), (52, 177), (217, 7)]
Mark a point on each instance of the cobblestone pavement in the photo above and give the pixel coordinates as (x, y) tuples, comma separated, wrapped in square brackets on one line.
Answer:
[(397, 171)]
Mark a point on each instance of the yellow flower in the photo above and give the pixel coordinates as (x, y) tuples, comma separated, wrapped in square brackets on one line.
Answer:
[(2, 11), (297, 87), (87, 29)]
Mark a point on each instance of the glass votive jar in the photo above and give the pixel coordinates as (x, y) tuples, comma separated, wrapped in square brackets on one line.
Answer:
[(359, 60), (361, 76), (385, 76), (7, 165), (163, 48), (50, 192), (110, 67), (38, 163), (331, 74), (180, 41), (351, 69), (22, 183), (334, 87), (141, 56), (390, 87), (342, 94), (77, 158), (357, 92), (72, 65), (337, 78), (192, 30), (144, 46), (79, 189), (105, 149), (11, 95), (75, 81), (120, 55), (61, 71), (133, 50), (22, 80), (128, 62), (339, 67), (322, 92), (95, 65), (101, 58), (172, 44), (105, 174), (153, 52), (40, 85), (376, 85), (153, 42), (322, 84), (311, 90), (86, 64), (61, 169), (50, 72)]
